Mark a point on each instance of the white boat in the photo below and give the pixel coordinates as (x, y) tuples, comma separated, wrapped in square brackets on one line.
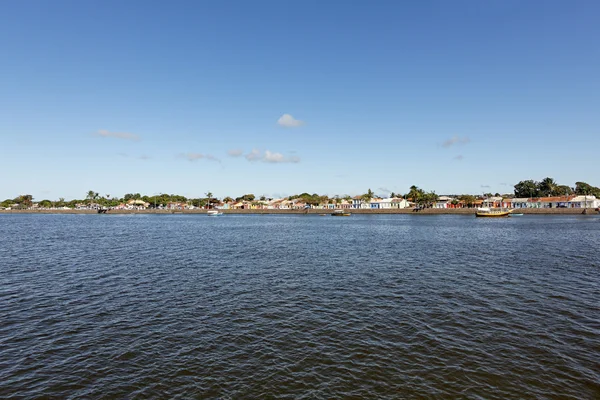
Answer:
[(214, 213), (340, 213)]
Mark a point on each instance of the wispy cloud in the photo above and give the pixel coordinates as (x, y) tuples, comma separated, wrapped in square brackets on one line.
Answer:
[(456, 140), (144, 157), (117, 135), (235, 152), (459, 157), (254, 155), (485, 186), (287, 121), (199, 156), (270, 157)]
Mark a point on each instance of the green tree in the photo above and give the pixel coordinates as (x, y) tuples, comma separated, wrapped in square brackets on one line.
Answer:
[(427, 200), (91, 196), (227, 199), (209, 196), (468, 200), (528, 188), (368, 196), (582, 188), (563, 190), (547, 187), (414, 193), (246, 197), (24, 201), (45, 203)]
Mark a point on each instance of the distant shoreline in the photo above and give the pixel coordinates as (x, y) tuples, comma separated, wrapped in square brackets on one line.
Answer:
[(407, 211)]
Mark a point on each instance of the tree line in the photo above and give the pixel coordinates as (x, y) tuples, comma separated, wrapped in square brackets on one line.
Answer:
[(524, 189), (548, 187)]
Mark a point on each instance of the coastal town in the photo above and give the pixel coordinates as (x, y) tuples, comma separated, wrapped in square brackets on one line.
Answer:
[(545, 194)]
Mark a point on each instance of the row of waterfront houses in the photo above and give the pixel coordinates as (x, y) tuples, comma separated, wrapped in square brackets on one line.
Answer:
[(442, 202), (359, 202), (550, 202), (298, 204)]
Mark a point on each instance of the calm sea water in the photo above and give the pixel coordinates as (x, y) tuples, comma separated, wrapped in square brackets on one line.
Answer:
[(400, 306)]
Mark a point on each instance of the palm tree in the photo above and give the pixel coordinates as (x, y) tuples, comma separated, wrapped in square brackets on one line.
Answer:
[(91, 195), (26, 200), (368, 196), (548, 187), (208, 197), (415, 194)]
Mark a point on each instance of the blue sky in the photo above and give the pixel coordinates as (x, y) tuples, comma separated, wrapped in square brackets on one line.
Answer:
[(185, 96)]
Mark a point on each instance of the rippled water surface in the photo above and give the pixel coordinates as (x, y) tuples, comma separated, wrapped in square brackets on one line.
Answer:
[(402, 306)]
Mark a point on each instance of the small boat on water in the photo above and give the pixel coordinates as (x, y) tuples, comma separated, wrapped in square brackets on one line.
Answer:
[(515, 214), (492, 213), (340, 213), (214, 213)]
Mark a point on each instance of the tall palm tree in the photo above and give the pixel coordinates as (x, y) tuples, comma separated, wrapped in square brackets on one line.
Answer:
[(208, 197), (548, 186), (415, 194), (368, 196), (91, 196)]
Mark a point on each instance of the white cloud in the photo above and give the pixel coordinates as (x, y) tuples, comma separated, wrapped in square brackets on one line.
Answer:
[(287, 121), (199, 156), (235, 152), (118, 135), (254, 155), (273, 157), (459, 158), (270, 157), (456, 140), (145, 157)]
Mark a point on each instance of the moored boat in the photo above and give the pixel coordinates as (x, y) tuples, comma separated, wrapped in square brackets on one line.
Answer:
[(492, 213), (340, 213), (214, 213)]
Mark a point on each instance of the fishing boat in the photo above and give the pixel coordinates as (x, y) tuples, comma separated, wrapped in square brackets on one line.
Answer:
[(340, 213), (214, 213), (492, 213), (515, 214)]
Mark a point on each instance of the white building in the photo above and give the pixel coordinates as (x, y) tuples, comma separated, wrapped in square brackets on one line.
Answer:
[(584, 201), (443, 202), (401, 203)]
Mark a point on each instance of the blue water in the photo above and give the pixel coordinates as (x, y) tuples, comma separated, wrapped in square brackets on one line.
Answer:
[(299, 306)]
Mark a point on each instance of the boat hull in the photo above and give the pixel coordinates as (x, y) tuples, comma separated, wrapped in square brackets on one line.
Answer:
[(500, 214)]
